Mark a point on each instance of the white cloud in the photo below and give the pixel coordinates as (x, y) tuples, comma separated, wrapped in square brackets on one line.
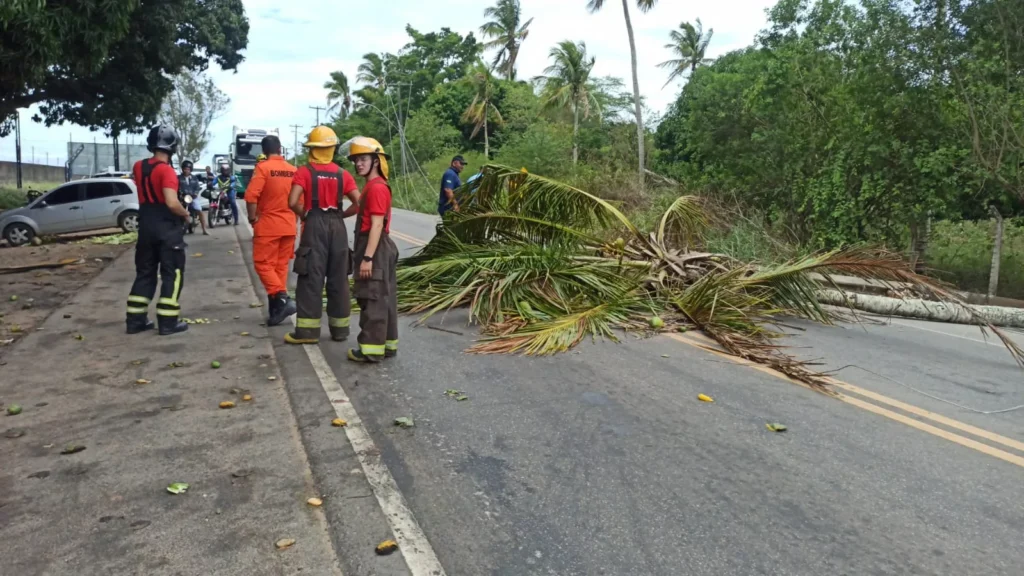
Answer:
[(293, 48)]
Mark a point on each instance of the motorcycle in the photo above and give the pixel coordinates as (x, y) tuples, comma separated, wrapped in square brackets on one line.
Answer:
[(193, 217), (220, 206)]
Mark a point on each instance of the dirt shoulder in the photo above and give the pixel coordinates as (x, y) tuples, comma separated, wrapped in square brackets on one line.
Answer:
[(28, 298)]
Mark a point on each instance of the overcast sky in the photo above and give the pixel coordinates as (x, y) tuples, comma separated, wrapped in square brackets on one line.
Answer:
[(294, 46)]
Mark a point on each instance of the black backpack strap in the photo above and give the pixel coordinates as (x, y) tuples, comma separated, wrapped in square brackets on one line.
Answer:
[(314, 186), (147, 181)]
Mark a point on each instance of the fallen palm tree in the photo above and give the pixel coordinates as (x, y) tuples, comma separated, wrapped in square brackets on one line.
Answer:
[(533, 261)]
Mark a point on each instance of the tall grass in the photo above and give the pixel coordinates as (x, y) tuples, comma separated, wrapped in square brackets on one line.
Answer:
[(12, 197)]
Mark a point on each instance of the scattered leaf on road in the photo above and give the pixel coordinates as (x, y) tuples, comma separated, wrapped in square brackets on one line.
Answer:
[(284, 543), (404, 422), (776, 427), (177, 488), (240, 473), (256, 305), (14, 329), (138, 362), (175, 364), (231, 251), (227, 404), (197, 255), (271, 378), (40, 475), (14, 433), (142, 381), (705, 398), (14, 297), (338, 422), (72, 449), (315, 502), (247, 398), (79, 337), (452, 392), (6, 342), (13, 410), (244, 334), (386, 547), (461, 398), (215, 364)]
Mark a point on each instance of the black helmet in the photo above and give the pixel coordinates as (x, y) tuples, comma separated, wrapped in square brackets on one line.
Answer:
[(162, 137), (186, 164)]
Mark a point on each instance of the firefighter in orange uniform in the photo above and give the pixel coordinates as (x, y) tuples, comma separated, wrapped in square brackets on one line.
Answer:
[(316, 196), (273, 227)]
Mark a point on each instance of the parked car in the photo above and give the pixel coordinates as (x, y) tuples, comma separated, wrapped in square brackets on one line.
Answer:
[(76, 206), (112, 174)]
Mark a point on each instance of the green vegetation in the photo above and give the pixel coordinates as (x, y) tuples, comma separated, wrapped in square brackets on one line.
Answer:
[(843, 124), (12, 197)]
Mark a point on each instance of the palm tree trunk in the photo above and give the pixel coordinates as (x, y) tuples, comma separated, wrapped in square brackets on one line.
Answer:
[(997, 253), (575, 134), (636, 95), (487, 142)]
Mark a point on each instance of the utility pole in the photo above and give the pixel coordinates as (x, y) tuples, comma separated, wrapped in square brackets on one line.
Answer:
[(318, 109), (17, 143), (33, 154), (295, 133)]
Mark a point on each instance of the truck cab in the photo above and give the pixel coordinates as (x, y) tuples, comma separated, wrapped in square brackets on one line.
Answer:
[(245, 147)]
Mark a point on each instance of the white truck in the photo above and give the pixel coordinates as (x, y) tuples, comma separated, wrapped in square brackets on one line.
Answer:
[(245, 147)]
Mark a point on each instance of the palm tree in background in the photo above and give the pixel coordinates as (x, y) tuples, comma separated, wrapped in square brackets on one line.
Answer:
[(689, 43), (373, 71), (507, 34), (567, 85), (482, 110), (644, 6), (338, 93)]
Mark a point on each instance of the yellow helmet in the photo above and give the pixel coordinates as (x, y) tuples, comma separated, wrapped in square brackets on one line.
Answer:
[(362, 145), (261, 158), (321, 137)]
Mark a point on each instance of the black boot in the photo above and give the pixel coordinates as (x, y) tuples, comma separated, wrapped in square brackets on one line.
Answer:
[(171, 325), (136, 323), (281, 307)]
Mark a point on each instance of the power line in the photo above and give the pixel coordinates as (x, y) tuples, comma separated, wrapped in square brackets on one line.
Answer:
[(318, 109), (295, 133)]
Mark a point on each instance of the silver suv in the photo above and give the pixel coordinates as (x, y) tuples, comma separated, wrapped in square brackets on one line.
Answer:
[(74, 207)]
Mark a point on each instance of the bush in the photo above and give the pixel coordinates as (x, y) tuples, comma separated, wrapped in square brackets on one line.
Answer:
[(544, 149), (961, 253), (419, 191)]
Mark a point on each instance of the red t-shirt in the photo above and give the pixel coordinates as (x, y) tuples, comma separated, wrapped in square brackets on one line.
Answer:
[(163, 176), (327, 188), (376, 201)]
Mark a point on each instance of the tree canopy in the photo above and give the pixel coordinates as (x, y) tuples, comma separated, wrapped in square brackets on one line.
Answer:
[(108, 64)]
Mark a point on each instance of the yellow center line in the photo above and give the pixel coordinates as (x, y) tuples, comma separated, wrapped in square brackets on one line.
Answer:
[(698, 342), (709, 346)]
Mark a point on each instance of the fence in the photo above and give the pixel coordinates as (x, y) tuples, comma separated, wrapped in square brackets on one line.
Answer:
[(35, 173), (95, 157)]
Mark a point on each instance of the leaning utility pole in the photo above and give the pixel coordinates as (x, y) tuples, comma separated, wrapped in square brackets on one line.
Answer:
[(318, 109), (295, 133), (17, 144)]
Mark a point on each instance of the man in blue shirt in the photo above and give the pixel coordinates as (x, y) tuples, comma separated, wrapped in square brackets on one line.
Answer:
[(449, 184)]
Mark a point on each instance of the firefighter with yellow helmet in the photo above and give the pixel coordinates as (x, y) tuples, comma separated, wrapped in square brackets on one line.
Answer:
[(375, 256), (323, 254)]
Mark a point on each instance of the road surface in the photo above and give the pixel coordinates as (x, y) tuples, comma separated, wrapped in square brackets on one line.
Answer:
[(602, 461)]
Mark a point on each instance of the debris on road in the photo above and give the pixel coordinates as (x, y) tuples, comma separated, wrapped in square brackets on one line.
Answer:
[(142, 381), (240, 473), (439, 329), (79, 337), (197, 255), (226, 404), (315, 502), (338, 423), (38, 266), (14, 297), (215, 364), (386, 547), (14, 433), (244, 334), (256, 305), (175, 364), (72, 449), (458, 395), (177, 488), (656, 323), (271, 378), (13, 410), (116, 239), (404, 422), (776, 427), (284, 543), (6, 342), (705, 398), (246, 397)]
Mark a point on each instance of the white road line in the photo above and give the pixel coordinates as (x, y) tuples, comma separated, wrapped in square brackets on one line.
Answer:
[(916, 327), (412, 542)]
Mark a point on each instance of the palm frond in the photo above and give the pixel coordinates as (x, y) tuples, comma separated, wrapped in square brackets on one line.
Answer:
[(683, 223)]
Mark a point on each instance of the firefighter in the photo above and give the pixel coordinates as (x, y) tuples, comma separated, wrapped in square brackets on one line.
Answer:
[(273, 227), (316, 196), (161, 243), (375, 256)]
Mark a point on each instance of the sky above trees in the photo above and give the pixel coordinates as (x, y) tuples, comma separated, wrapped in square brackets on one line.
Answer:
[(283, 74)]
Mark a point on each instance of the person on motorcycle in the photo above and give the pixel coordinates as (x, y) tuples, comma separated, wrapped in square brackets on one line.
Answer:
[(160, 249), (189, 184), (226, 180)]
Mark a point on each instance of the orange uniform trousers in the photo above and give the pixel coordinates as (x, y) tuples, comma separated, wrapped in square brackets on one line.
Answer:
[(270, 257)]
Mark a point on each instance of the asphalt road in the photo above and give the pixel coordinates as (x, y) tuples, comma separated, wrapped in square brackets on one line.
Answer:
[(602, 461)]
